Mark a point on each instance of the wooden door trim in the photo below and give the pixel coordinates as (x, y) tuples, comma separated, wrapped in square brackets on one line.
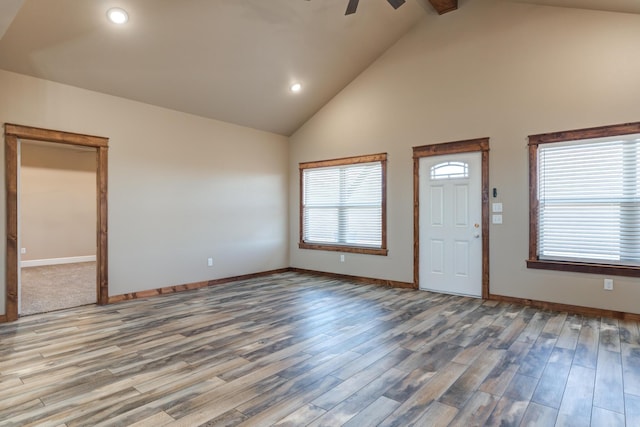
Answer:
[(480, 145), (12, 133)]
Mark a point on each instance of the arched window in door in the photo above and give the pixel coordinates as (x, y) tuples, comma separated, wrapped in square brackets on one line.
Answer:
[(450, 170)]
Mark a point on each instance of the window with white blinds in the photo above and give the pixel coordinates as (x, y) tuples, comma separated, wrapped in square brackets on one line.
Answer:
[(589, 200), (343, 204)]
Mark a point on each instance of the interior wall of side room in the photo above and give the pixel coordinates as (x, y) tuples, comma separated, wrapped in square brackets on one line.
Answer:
[(57, 201), (490, 69), (181, 189)]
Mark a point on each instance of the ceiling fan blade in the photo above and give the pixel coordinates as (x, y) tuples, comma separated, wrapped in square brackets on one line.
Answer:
[(396, 3), (352, 6)]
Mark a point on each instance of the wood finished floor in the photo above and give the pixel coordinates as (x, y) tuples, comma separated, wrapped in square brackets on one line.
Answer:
[(291, 349)]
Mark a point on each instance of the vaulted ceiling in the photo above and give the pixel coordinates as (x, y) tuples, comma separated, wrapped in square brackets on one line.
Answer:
[(231, 60)]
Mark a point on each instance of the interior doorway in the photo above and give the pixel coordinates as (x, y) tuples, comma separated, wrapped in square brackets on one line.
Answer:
[(99, 145), (451, 217), (56, 226)]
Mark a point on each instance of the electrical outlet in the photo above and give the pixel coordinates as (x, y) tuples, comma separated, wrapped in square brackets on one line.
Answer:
[(341, 257), (23, 251), (608, 284), (210, 262)]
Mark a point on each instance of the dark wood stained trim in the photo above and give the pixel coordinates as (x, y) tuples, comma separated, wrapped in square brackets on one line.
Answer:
[(155, 292), (190, 286), (485, 222), (339, 248), (382, 251), (455, 147), (416, 220), (11, 262), (533, 202), (38, 134), (357, 279), (345, 161), (576, 309), (102, 270), (383, 222), (3, 318), (570, 135), (301, 215), (12, 134), (587, 133), (581, 267), (444, 6)]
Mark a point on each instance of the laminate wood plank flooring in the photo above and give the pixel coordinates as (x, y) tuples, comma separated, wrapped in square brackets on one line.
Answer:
[(292, 349)]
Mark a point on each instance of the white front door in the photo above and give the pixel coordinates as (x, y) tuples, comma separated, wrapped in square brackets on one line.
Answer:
[(451, 224)]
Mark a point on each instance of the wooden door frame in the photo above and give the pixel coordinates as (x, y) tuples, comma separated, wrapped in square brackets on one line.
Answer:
[(12, 133), (480, 145)]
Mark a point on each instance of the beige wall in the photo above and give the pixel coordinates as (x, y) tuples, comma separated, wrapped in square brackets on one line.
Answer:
[(181, 188), (57, 201), (491, 69)]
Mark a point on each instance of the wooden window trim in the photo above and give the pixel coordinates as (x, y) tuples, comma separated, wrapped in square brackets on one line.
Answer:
[(382, 158), (572, 135), (466, 146), (12, 134)]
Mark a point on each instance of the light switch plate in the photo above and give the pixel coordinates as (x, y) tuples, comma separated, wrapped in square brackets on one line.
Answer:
[(497, 219), (497, 207)]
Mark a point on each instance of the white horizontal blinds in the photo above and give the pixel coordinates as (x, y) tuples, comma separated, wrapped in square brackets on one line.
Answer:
[(589, 200), (342, 205)]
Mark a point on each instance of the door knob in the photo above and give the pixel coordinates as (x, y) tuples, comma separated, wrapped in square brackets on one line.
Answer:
[(476, 235)]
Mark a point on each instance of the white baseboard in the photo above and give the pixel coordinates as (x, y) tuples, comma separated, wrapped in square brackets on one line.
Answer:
[(56, 261)]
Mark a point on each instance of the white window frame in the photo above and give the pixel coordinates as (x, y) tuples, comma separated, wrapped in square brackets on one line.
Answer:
[(338, 245)]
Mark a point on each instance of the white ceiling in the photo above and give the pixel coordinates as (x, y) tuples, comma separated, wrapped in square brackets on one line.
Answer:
[(231, 60), (625, 6), (8, 10)]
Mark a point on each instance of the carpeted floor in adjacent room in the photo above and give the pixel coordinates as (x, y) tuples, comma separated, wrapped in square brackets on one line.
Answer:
[(56, 287)]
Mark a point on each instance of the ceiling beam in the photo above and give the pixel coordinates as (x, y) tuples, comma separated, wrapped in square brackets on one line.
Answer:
[(444, 6)]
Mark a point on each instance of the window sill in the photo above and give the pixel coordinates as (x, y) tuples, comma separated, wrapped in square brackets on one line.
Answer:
[(578, 267), (338, 248)]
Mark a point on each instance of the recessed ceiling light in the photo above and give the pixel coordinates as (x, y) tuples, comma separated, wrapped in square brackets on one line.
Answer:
[(296, 87), (117, 15)]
